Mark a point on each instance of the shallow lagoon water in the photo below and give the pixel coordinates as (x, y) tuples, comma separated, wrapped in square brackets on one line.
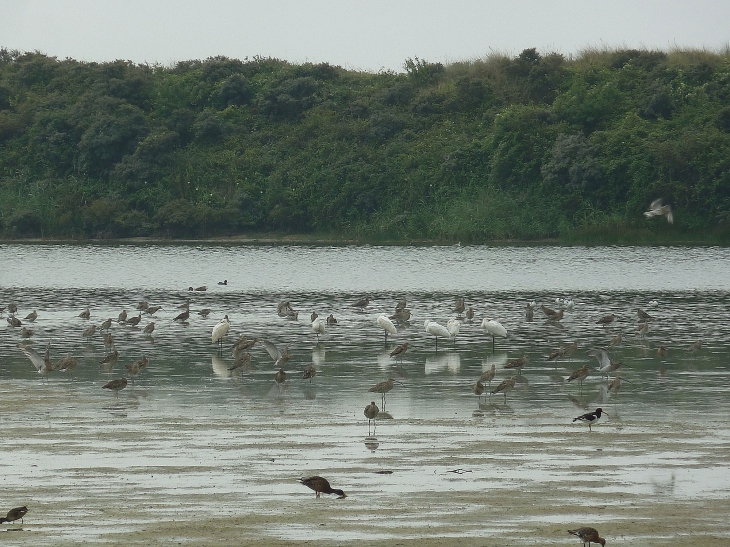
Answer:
[(190, 444)]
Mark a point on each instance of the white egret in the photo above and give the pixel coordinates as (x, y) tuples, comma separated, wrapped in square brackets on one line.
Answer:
[(436, 329), (494, 328), (387, 325), (318, 327), (219, 331)]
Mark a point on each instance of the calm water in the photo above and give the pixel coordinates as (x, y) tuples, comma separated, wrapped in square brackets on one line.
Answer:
[(188, 412)]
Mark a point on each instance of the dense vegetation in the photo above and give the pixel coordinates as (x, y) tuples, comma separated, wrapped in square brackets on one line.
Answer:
[(535, 146)]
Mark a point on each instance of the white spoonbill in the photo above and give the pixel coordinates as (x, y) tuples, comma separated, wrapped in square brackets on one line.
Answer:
[(495, 329), (436, 329), (453, 326), (220, 330), (386, 324), (318, 327)]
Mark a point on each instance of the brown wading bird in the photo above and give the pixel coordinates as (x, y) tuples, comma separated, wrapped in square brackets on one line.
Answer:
[(89, 332), (505, 386), (470, 314), (149, 328), (362, 303), (460, 306), (588, 535), (309, 373), (580, 374), (280, 378), (643, 316), (331, 320), (488, 375), (184, 316), (547, 311), (14, 321), (606, 319), (478, 389), (15, 514), (122, 318), (85, 314), (116, 385), (322, 486), (106, 325), (518, 363), (371, 411), (399, 350), (31, 316), (134, 321), (529, 312), (383, 388)]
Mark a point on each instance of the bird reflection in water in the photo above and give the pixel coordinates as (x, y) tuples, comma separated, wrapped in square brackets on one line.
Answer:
[(371, 443), (450, 362)]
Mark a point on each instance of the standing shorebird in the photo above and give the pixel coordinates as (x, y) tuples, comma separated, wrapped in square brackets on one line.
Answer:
[(588, 535), (110, 359), (399, 350), (243, 345), (453, 326), (518, 363), (362, 303), (642, 328), (31, 316), (322, 486), (106, 325), (383, 388), (15, 514), (590, 418), (122, 317), (579, 374), (529, 312), (89, 332), (387, 325), (85, 314), (42, 364), (309, 372), (371, 411), (116, 385), (242, 361), (470, 314), (219, 331), (478, 390), (695, 347), (134, 321), (606, 319), (488, 375), (149, 328), (661, 352), (436, 329), (505, 386), (495, 329), (615, 341), (280, 378), (658, 209), (331, 320), (318, 326), (183, 316), (460, 306)]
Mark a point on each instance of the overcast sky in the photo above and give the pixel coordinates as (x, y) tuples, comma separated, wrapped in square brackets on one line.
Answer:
[(366, 34)]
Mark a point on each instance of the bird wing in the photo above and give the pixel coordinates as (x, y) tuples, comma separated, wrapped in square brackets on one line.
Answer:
[(272, 349), (34, 357), (603, 357)]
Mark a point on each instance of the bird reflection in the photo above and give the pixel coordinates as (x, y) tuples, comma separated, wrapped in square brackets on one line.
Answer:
[(371, 443), (220, 368), (664, 487), (498, 359), (581, 403), (310, 394), (443, 361)]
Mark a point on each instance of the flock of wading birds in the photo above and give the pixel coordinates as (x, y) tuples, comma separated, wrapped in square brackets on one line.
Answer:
[(606, 364)]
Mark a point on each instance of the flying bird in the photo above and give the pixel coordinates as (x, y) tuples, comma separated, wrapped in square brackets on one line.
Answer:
[(657, 209)]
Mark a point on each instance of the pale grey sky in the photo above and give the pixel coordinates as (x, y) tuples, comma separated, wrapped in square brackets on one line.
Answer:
[(367, 34)]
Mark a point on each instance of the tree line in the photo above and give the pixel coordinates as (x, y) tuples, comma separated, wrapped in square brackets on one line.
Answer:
[(522, 147)]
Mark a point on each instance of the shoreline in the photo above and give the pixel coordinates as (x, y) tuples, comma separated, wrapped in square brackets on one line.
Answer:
[(320, 240)]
